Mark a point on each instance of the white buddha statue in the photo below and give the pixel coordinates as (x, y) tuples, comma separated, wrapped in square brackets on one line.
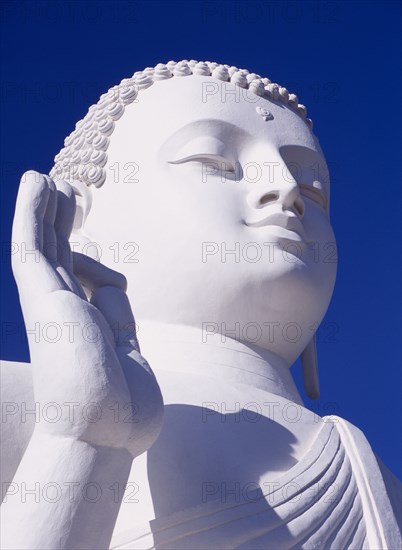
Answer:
[(204, 193)]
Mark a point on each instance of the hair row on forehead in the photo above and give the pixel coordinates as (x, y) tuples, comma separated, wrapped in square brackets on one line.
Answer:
[(84, 155)]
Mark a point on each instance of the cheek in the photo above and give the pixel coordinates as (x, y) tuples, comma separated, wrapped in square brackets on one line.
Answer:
[(190, 207), (317, 225), (322, 255)]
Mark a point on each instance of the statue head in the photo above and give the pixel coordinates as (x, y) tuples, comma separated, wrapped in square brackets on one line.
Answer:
[(206, 187)]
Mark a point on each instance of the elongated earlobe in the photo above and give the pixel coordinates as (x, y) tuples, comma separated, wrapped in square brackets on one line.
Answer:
[(310, 369)]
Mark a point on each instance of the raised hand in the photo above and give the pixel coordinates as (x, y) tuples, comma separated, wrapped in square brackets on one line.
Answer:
[(105, 391)]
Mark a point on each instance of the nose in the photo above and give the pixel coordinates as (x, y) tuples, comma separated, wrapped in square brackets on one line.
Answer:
[(283, 193)]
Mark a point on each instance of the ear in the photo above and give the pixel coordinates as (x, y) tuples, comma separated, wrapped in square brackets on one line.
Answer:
[(83, 198)]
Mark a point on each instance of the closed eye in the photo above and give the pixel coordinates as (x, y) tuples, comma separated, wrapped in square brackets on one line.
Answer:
[(314, 194), (222, 164)]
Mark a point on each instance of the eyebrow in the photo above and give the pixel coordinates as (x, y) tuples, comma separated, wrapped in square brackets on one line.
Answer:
[(303, 150), (217, 128), (301, 155), (230, 134)]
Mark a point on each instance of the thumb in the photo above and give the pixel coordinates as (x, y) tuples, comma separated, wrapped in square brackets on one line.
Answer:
[(93, 274)]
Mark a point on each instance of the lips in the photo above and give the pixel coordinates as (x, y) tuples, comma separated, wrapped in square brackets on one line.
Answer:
[(288, 221)]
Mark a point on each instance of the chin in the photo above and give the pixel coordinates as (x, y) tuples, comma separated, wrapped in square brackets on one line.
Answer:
[(241, 301), (280, 314)]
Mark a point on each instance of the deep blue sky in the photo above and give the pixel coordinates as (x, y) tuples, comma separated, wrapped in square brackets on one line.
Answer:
[(341, 58)]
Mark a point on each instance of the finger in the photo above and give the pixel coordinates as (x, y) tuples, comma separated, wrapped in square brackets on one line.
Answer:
[(33, 272), (114, 304), (107, 292), (63, 223), (93, 274), (32, 198), (49, 234)]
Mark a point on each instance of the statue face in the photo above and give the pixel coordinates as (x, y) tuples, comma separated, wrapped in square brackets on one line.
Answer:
[(227, 209)]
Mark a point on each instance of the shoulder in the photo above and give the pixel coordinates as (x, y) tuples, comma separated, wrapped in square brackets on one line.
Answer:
[(379, 490)]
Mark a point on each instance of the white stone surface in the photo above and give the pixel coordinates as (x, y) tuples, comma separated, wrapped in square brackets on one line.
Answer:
[(212, 190)]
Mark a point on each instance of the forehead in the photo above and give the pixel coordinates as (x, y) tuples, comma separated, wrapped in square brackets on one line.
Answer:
[(176, 110)]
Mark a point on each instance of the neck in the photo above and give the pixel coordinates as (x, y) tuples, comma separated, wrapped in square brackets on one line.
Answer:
[(187, 349)]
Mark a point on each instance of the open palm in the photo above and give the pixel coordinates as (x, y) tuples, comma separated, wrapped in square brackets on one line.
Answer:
[(84, 352)]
